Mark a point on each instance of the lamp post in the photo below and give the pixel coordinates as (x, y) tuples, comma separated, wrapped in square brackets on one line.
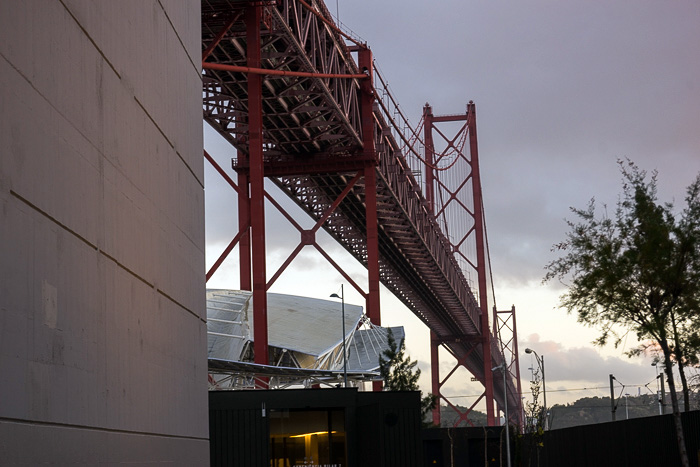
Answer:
[(345, 354), (540, 363), (502, 367)]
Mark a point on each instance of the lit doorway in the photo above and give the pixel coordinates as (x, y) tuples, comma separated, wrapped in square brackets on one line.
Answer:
[(308, 438)]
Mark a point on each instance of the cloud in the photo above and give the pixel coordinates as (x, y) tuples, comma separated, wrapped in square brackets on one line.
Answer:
[(562, 91), (566, 366)]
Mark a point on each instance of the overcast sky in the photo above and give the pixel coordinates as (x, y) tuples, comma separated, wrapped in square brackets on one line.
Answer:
[(563, 89)]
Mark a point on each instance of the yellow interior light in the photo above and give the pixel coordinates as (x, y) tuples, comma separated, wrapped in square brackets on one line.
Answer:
[(310, 434)]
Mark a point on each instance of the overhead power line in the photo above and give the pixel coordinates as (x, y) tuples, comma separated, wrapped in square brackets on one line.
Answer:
[(589, 388)]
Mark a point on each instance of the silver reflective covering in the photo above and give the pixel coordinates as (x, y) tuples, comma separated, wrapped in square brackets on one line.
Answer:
[(368, 344), (227, 323), (303, 333)]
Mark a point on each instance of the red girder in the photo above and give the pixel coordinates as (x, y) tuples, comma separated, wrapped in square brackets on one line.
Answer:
[(269, 72), (253, 18)]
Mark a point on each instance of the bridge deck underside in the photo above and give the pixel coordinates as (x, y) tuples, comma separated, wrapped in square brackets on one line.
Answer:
[(312, 137)]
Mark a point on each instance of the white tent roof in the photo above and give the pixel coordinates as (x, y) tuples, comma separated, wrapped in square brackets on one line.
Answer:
[(308, 325)]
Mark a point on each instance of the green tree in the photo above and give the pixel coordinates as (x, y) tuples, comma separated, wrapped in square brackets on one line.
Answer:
[(400, 373), (534, 421), (694, 383), (638, 271)]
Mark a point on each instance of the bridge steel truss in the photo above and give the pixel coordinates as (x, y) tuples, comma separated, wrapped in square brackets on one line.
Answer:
[(281, 85)]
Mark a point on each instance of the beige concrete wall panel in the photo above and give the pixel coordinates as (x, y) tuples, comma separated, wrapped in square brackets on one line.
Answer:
[(137, 149), (162, 246), (187, 16), (128, 225), (48, 163), (52, 351), (183, 263), (102, 338), (44, 156), (29, 40), (150, 59), (95, 447), (66, 368), (16, 302), (156, 360)]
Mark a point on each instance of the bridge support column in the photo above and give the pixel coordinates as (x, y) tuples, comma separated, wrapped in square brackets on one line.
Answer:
[(429, 157), (244, 223), (373, 310), (435, 375), (481, 262), (364, 58), (253, 16)]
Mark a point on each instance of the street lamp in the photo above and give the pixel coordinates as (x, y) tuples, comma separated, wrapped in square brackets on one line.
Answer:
[(345, 354), (540, 363), (502, 367)]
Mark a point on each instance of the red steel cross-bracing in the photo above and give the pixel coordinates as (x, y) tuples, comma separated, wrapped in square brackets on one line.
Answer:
[(310, 113)]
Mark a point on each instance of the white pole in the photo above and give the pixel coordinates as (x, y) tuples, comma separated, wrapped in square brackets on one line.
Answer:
[(345, 350)]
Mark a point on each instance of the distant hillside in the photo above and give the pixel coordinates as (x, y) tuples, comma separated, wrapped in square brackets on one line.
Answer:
[(591, 410), (448, 417), (586, 411)]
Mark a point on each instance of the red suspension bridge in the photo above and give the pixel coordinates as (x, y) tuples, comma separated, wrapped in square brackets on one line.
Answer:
[(304, 106)]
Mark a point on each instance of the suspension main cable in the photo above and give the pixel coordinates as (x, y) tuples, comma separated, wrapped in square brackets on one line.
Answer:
[(488, 254), (408, 143), (385, 86), (393, 123)]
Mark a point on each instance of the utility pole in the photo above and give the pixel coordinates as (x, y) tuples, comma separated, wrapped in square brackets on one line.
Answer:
[(612, 397), (658, 392), (662, 401)]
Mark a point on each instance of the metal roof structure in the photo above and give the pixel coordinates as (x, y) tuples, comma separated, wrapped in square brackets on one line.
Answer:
[(305, 339)]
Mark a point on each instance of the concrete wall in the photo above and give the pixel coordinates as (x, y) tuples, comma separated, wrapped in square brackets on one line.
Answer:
[(102, 294)]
